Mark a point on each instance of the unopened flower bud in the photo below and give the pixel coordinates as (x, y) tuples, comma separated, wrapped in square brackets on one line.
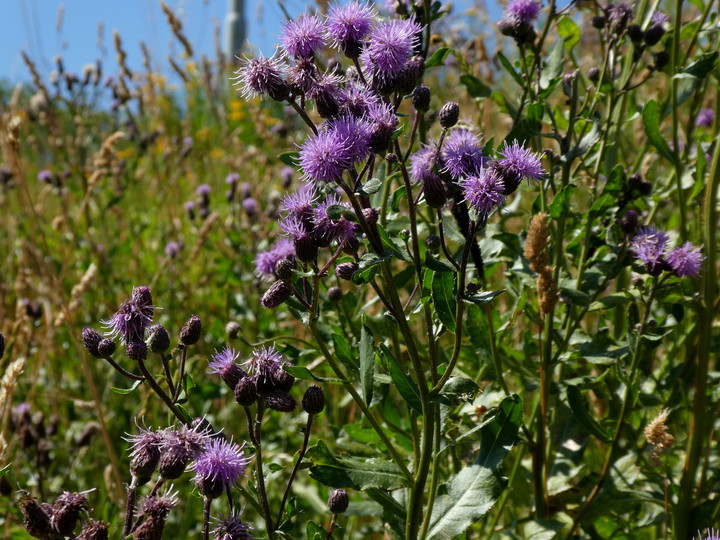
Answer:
[(334, 294), (629, 221), (276, 295), (435, 195), (137, 350), (449, 114), (282, 380), (346, 270), (313, 402), (233, 329), (246, 391), (654, 34), (598, 22), (635, 33), (306, 249), (159, 339), (90, 339), (391, 158), (432, 242), (284, 269), (190, 333), (594, 74), (66, 512), (338, 501), (278, 400), (35, 517), (106, 347), (371, 216), (421, 98)]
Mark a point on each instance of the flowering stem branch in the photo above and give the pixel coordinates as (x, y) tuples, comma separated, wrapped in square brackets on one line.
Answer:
[(130, 506), (168, 374), (122, 370), (308, 426), (255, 428), (304, 116), (206, 517), (333, 523), (179, 386), (161, 393)]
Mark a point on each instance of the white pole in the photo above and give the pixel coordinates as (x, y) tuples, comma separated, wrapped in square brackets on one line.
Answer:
[(235, 29)]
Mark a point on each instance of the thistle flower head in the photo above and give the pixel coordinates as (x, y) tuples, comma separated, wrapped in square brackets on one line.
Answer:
[(483, 191), (219, 465), (159, 505), (523, 11), (133, 317), (224, 363), (685, 260), (303, 37), (265, 261), (348, 24), (264, 361), (705, 117), (231, 528), (461, 153), (356, 98), (261, 75), (649, 246), (172, 249), (518, 163), (421, 163), (382, 125), (299, 204), (390, 46), (659, 17), (711, 534), (328, 229), (145, 452)]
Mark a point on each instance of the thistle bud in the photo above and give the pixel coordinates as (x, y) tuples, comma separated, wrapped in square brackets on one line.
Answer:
[(284, 268), (421, 98), (334, 294), (246, 391), (635, 33), (449, 114), (173, 462), (233, 330), (106, 347), (278, 400), (371, 216), (305, 248), (35, 517), (90, 339), (432, 242), (598, 22), (346, 270), (190, 333), (313, 402), (283, 380), (338, 501), (276, 295), (93, 530), (137, 350), (66, 512), (159, 339), (594, 74), (435, 195), (629, 221), (654, 34)]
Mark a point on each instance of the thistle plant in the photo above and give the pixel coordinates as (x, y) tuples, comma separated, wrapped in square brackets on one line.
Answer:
[(475, 294)]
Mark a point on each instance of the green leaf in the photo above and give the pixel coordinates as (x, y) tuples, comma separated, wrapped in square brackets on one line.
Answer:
[(475, 87), (475, 489), (437, 265), (407, 388), (554, 66), (398, 251), (510, 69), (304, 374), (353, 473), (367, 363), (700, 68), (344, 352), (579, 408), (438, 57), (315, 531), (368, 267), (289, 158), (126, 391), (371, 186), (651, 123), (337, 211), (569, 31), (560, 205), (483, 297), (443, 295), (578, 298)]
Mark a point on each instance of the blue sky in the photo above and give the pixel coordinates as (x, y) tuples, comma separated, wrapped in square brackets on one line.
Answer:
[(32, 26)]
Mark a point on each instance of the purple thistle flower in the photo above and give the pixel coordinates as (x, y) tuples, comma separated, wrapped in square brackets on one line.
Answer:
[(145, 452), (219, 465), (303, 37), (383, 123), (390, 46), (203, 190), (461, 153), (265, 261), (659, 17), (262, 75), (686, 260), (324, 157), (133, 317), (45, 176), (421, 163), (355, 99), (250, 206), (523, 11), (483, 191), (231, 528), (224, 364), (649, 246), (294, 228), (348, 25), (328, 229), (232, 179), (299, 204), (325, 91), (172, 249), (264, 361), (712, 534), (705, 117), (516, 163), (302, 75)]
